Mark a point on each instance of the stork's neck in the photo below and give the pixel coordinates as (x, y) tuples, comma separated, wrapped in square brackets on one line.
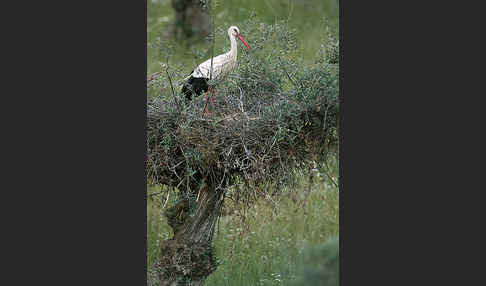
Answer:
[(233, 52)]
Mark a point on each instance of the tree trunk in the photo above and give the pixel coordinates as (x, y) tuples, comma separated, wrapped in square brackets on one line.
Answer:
[(188, 257), (191, 20)]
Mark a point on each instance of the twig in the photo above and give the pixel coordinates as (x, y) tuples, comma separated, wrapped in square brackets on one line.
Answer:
[(153, 77), (222, 180), (288, 76), (171, 86), (213, 38), (154, 194), (166, 200), (241, 104), (330, 178)]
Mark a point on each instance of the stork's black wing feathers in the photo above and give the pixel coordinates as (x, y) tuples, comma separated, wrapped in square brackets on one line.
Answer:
[(196, 85)]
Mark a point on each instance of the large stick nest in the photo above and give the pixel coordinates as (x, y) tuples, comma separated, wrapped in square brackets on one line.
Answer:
[(271, 115)]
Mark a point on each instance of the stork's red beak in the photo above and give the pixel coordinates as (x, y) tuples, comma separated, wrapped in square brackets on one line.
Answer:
[(243, 41)]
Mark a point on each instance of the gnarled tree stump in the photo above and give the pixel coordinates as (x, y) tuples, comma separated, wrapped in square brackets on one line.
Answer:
[(188, 257)]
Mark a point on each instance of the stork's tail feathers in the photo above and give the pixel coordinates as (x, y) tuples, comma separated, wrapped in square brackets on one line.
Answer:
[(194, 86)]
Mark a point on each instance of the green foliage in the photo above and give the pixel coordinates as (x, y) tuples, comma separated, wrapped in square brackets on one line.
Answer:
[(333, 50), (320, 266), (305, 16)]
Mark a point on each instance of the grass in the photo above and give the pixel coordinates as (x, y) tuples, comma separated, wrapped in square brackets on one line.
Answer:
[(270, 250)]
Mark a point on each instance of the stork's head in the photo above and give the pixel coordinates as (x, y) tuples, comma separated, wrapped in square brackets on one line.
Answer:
[(235, 32)]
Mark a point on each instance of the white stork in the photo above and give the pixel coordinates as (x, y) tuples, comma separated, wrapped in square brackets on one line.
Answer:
[(197, 81)]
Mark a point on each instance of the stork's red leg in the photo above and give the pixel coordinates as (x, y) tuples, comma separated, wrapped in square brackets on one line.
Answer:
[(207, 103), (212, 100)]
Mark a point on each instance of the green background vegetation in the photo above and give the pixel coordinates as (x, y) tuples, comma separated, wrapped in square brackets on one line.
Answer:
[(270, 245), (309, 17)]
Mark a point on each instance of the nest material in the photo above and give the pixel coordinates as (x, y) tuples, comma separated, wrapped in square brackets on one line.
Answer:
[(253, 140)]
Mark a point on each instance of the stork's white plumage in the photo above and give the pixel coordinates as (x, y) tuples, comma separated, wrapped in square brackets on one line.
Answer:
[(197, 81)]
